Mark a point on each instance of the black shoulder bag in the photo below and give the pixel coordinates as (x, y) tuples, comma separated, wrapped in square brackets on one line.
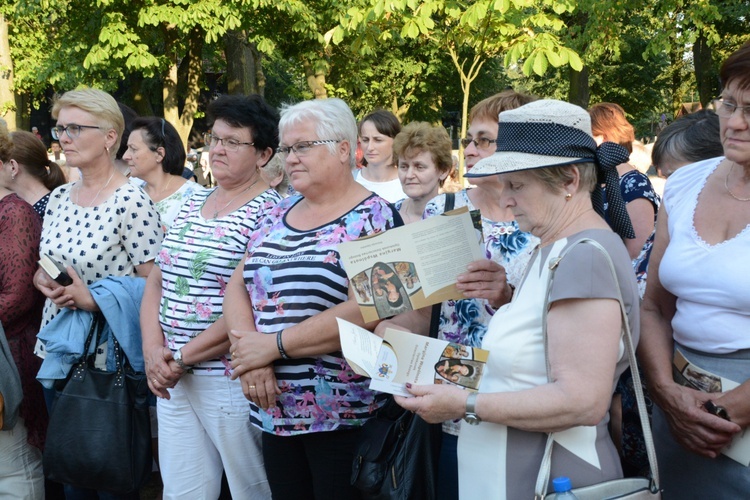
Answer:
[(397, 456), (99, 434)]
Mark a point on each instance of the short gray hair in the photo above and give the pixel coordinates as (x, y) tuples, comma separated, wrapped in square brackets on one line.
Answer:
[(692, 138), (333, 120)]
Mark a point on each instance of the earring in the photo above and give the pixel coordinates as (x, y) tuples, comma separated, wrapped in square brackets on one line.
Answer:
[(13, 176), (568, 196)]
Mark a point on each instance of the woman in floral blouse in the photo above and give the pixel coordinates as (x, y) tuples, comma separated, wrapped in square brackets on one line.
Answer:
[(202, 413), (283, 300), (156, 158), (507, 249)]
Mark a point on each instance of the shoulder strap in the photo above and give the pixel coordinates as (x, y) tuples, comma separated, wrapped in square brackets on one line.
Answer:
[(542, 480), (450, 201)]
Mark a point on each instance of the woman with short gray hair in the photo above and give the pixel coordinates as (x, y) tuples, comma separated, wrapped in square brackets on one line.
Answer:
[(690, 139), (284, 299)]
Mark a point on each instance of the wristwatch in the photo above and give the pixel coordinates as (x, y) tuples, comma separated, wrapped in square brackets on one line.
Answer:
[(177, 356), (471, 416)]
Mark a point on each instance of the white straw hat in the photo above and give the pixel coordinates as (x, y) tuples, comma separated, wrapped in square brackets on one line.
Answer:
[(544, 133), (551, 133)]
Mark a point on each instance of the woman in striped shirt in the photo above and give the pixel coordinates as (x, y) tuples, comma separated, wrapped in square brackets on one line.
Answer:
[(202, 413), (284, 300)]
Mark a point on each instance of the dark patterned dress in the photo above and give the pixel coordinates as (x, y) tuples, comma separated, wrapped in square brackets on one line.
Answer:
[(21, 304)]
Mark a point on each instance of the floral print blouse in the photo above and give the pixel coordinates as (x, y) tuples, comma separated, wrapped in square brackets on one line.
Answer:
[(292, 275)]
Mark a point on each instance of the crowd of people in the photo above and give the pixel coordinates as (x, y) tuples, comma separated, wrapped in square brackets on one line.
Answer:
[(227, 297)]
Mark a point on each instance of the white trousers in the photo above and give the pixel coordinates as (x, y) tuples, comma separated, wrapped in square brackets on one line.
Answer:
[(21, 474), (203, 429)]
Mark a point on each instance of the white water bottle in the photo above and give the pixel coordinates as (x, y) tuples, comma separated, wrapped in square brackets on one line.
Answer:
[(563, 489)]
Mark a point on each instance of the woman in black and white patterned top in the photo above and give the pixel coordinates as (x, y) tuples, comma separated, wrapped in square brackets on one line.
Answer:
[(100, 225)]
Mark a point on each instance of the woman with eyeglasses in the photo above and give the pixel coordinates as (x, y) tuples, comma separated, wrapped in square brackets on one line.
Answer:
[(282, 303), (696, 311), (156, 157), (103, 229), (487, 284), (376, 133), (203, 416)]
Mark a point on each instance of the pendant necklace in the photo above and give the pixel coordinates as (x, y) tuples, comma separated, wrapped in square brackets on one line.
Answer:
[(78, 192), (726, 185), (216, 199)]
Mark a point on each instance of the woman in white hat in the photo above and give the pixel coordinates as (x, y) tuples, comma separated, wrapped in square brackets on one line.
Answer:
[(551, 169)]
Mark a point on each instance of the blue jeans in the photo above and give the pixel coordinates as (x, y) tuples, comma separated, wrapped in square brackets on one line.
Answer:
[(73, 493)]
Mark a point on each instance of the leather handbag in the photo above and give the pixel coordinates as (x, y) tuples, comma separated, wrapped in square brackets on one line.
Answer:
[(639, 488), (396, 458), (99, 434), (397, 455)]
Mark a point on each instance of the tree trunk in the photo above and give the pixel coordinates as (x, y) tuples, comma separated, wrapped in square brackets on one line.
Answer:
[(675, 58), (8, 104), (316, 79), (578, 89), (141, 103), (260, 76), (466, 78), (399, 111), (183, 121), (705, 74), (242, 64)]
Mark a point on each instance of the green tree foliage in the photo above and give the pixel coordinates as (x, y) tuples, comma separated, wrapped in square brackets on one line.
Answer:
[(418, 59), (102, 43), (699, 34), (470, 32)]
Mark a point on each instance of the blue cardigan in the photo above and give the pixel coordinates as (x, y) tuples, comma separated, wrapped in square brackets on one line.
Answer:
[(119, 299)]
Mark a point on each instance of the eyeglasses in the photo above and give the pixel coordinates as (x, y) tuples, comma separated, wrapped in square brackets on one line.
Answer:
[(72, 130), (212, 140), (726, 109), (302, 148), (481, 143)]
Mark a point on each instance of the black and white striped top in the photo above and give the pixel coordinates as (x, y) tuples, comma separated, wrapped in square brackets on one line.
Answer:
[(292, 275)]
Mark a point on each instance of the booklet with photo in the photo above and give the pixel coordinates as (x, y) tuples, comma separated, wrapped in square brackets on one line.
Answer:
[(400, 357), (412, 266), (693, 376)]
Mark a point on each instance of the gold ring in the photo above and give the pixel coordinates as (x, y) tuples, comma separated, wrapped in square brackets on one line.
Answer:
[(234, 354), (153, 380), (251, 387)]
